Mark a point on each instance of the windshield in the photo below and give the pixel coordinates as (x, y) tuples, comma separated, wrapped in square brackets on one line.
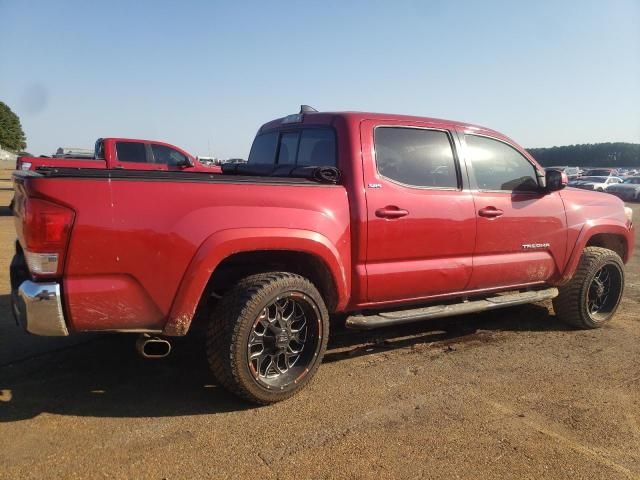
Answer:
[(634, 180)]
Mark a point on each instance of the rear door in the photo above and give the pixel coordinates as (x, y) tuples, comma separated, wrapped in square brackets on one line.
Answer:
[(133, 155), (521, 231), (421, 217)]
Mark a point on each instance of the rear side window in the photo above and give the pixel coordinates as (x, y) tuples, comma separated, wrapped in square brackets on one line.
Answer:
[(131, 152), (167, 156), (416, 157), (305, 147), (498, 166)]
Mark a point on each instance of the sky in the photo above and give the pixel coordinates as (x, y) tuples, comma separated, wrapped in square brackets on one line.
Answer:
[(205, 75)]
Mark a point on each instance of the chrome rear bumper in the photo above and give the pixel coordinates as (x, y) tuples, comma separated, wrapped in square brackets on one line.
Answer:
[(38, 308)]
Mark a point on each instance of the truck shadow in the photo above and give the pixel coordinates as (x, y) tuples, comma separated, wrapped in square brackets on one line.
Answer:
[(105, 377)]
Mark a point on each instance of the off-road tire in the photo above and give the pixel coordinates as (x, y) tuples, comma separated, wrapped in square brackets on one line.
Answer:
[(572, 305), (235, 317)]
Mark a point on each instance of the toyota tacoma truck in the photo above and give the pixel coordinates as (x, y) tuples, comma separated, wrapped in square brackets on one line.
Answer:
[(123, 153), (401, 219)]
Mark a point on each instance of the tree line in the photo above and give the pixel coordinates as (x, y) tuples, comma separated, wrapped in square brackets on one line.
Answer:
[(11, 135), (608, 154)]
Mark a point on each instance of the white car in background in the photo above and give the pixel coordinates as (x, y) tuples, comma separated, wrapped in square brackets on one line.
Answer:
[(599, 184), (628, 190)]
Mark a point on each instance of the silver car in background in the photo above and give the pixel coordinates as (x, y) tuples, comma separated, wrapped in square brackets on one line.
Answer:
[(600, 184), (628, 190)]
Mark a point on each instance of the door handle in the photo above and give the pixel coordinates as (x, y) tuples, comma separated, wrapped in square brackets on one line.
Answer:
[(391, 211), (490, 212)]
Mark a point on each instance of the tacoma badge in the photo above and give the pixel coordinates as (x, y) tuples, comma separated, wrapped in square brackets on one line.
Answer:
[(529, 246)]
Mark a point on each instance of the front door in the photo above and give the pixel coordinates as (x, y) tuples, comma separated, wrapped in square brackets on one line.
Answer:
[(521, 231), (421, 218)]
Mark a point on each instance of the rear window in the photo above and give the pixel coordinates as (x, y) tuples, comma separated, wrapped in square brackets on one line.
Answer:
[(131, 152), (305, 147)]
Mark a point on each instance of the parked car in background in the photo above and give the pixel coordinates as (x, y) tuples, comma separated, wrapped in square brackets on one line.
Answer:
[(122, 153), (599, 184), (73, 152), (571, 172), (378, 219), (628, 190), (207, 161), (600, 172)]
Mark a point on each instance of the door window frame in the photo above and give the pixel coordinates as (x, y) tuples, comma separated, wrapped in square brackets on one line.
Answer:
[(472, 174), (452, 143)]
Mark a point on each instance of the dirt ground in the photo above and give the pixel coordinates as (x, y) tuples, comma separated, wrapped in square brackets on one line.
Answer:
[(511, 394)]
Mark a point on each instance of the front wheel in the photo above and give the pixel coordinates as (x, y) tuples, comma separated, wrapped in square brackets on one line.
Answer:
[(267, 336), (592, 296)]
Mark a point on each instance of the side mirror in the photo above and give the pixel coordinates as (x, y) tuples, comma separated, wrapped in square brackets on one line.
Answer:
[(187, 162), (556, 180)]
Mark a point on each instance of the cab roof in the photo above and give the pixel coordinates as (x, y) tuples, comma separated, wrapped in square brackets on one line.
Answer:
[(309, 118)]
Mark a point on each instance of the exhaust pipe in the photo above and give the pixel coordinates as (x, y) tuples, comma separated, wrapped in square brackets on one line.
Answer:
[(152, 347)]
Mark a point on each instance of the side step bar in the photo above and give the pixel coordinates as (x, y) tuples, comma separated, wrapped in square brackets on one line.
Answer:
[(385, 319)]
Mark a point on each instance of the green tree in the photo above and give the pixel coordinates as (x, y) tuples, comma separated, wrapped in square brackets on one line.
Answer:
[(11, 134), (618, 154)]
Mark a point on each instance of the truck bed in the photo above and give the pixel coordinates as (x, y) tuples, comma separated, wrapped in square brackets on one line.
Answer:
[(136, 233)]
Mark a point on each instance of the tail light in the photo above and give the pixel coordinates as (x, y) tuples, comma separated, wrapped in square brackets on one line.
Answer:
[(45, 228)]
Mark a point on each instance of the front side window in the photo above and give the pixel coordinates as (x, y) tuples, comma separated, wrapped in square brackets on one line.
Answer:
[(131, 152), (498, 166), (302, 147), (416, 157), (168, 156)]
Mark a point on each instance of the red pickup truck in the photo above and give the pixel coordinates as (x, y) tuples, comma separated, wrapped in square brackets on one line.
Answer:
[(125, 153), (427, 218)]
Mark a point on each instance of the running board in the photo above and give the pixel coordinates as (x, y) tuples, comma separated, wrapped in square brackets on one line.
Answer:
[(399, 317)]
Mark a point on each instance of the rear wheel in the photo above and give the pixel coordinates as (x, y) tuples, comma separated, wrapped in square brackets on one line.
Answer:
[(592, 296), (267, 336)]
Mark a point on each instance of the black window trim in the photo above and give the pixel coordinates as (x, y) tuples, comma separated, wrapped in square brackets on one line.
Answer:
[(456, 158), (469, 162)]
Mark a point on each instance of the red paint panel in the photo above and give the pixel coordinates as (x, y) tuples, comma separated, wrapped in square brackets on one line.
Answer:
[(150, 231), (526, 219), (511, 269), (420, 278), (109, 302)]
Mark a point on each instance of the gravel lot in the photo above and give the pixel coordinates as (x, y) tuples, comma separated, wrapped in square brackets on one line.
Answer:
[(511, 394)]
